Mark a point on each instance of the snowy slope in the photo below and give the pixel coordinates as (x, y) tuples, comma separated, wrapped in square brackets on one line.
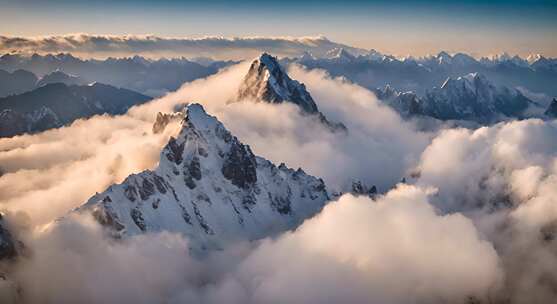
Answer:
[(211, 188)]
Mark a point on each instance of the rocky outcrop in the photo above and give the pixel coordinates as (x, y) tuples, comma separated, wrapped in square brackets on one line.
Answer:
[(164, 119), (267, 81), (240, 165), (359, 188), (7, 242)]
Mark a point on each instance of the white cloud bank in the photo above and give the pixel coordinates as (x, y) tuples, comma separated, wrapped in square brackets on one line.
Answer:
[(155, 46), (394, 250), (505, 178)]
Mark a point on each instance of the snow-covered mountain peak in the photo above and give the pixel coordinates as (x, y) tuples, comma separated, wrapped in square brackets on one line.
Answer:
[(196, 117), (476, 78), (306, 56), (340, 55), (468, 82), (58, 76), (267, 81), (444, 58), (533, 58), (463, 59), (271, 63), (210, 187), (474, 97)]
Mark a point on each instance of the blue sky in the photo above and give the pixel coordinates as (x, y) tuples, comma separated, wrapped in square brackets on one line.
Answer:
[(407, 27)]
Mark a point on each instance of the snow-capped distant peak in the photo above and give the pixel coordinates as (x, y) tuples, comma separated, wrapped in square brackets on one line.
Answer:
[(468, 81), (340, 54), (306, 56), (533, 58), (473, 77), (474, 97), (374, 55), (444, 58), (58, 76)]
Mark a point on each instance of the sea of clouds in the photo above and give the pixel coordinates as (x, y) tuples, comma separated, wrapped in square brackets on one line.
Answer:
[(476, 220)]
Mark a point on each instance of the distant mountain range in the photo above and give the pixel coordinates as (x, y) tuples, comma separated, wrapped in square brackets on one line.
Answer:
[(57, 104), (471, 97), (16, 82), (150, 77), (535, 73)]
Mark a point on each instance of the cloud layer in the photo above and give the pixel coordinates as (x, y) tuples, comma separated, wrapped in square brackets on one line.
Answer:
[(155, 46), (394, 250), (477, 220), (505, 179)]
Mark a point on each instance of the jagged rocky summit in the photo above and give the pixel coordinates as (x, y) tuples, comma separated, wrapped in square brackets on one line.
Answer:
[(267, 81), (211, 188)]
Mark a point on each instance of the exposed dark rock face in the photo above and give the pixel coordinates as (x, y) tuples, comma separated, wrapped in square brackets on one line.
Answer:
[(146, 189), (358, 188), (160, 183), (130, 192), (240, 166), (280, 203), (138, 219), (105, 218), (8, 248), (174, 151), (194, 168)]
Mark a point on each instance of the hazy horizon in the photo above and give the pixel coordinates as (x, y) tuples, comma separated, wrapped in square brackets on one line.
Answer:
[(414, 28)]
